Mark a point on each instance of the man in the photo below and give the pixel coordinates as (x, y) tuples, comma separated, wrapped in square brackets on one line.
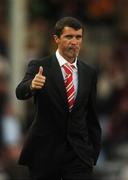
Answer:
[(64, 139)]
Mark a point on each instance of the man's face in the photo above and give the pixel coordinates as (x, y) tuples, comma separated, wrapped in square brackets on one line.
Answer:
[(69, 43)]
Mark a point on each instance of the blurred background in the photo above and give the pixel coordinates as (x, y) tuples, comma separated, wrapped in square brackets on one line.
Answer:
[(26, 28)]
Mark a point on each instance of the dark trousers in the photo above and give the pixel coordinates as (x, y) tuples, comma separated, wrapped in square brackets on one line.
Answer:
[(70, 167)]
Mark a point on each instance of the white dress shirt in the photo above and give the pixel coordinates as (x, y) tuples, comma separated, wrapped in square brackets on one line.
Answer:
[(63, 61)]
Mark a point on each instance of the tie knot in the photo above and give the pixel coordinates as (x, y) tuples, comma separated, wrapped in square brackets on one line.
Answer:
[(68, 68)]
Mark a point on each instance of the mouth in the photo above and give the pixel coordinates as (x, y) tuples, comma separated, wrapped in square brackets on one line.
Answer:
[(74, 49)]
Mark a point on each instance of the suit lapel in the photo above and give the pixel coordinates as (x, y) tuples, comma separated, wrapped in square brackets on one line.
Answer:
[(57, 77), (81, 82)]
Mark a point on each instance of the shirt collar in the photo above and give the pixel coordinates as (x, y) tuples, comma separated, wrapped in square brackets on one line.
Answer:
[(63, 61)]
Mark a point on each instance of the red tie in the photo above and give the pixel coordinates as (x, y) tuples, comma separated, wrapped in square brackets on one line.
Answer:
[(69, 85)]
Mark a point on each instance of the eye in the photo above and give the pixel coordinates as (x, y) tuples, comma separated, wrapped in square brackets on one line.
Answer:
[(69, 36), (78, 37)]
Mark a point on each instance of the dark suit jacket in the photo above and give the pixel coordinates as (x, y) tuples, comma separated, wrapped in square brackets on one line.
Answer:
[(53, 124)]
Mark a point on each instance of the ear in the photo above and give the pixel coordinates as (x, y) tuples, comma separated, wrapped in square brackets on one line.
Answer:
[(56, 39)]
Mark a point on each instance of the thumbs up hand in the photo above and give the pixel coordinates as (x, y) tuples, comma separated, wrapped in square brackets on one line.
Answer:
[(39, 80)]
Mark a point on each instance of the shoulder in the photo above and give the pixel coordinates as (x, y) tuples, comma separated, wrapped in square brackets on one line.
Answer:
[(88, 68), (89, 71), (40, 61), (34, 64)]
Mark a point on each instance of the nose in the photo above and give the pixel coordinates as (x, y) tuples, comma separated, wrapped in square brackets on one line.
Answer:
[(74, 41)]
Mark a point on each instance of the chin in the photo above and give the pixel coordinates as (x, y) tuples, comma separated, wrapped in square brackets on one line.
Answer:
[(72, 57)]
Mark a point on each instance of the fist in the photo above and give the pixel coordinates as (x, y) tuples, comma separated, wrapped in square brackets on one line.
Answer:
[(39, 80)]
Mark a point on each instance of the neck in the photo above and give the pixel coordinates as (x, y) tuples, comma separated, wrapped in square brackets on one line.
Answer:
[(71, 60)]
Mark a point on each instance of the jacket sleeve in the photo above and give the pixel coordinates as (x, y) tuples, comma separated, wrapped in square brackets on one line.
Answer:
[(94, 128), (23, 90)]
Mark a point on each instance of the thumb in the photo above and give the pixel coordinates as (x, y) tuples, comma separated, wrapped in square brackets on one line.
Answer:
[(40, 72)]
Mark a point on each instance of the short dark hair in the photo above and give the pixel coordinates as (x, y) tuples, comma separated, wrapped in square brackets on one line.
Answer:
[(67, 22)]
